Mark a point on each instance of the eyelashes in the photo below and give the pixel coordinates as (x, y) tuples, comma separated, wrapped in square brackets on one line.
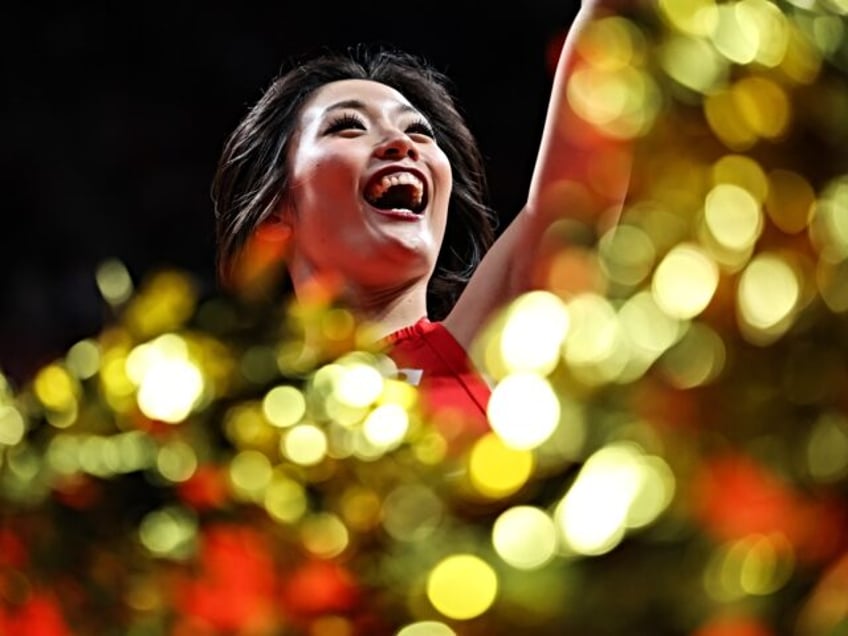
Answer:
[(350, 121), (344, 122), (421, 127)]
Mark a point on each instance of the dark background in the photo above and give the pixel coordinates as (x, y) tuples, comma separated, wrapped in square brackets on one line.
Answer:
[(114, 119)]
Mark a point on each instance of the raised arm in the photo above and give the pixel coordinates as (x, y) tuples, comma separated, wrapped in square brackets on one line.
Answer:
[(570, 152)]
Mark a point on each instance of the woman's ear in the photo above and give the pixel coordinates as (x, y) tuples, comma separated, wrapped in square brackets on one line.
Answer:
[(275, 227), (262, 260)]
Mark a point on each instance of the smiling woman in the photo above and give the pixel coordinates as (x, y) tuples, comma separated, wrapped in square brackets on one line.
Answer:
[(332, 106), (372, 167), (361, 172)]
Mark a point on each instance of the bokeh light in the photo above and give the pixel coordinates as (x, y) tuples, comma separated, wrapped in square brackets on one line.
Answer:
[(462, 586), (768, 295), (617, 488), (523, 410), (684, 282), (497, 469), (525, 537)]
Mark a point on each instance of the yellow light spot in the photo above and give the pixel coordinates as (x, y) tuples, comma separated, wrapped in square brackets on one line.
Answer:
[(832, 280), (594, 334), (63, 453), (685, 281), (525, 537), (117, 385), (285, 499), (386, 426), (763, 105), (324, 380), (830, 214), (694, 17), (768, 294), (136, 451), (462, 586), (359, 385), (764, 23), (176, 461), (337, 324), (756, 565), (62, 419), (168, 532), (99, 456), (430, 448), (726, 120), (611, 43), (305, 444), (245, 425), (523, 410), (24, 464), (610, 90), (362, 447), (654, 492), (170, 389), (613, 491), (767, 566), (650, 330), (324, 535), (693, 63), (623, 102), (398, 392), (790, 202), (169, 384), (12, 425), (828, 33), (733, 216), (164, 303), (250, 474), (284, 406), (83, 359), (535, 327), (426, 628), (114, 281), (497, 470), (56, 388), (627, 254), (742, 171), (802, 62), (341, 412), (733, 37)]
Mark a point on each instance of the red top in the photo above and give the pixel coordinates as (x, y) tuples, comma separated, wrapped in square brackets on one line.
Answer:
[(454, 395)]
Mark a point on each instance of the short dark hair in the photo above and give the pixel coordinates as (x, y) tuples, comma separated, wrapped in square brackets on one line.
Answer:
[(252, 174)]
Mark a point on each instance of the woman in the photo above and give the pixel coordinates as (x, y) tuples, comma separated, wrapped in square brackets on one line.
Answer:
[(361, 165)]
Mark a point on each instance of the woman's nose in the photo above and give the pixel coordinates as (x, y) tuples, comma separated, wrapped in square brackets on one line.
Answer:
[(396, 145)]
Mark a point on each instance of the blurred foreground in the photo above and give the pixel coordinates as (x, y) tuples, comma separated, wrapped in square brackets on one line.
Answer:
[(669, 445)]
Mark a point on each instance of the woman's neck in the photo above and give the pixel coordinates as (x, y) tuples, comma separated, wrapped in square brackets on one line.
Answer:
[(383, 309), (387, 312)]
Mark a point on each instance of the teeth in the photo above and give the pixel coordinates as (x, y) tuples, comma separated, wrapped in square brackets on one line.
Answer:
[(379, 188)]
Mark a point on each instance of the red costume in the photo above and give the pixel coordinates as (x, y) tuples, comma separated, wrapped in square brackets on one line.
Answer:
[(454, 395)]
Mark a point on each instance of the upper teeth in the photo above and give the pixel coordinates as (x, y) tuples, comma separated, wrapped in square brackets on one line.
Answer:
[(379, 188)]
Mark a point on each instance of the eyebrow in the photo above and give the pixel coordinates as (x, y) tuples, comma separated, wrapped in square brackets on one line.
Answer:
[(356, 104)]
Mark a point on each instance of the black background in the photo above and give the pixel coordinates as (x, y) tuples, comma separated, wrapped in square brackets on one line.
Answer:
[(114, 119)]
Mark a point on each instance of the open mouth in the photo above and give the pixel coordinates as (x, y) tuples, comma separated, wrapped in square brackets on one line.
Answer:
[(401, 190)]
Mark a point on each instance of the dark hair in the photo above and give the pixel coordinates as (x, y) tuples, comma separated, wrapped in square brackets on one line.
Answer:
[(252, 175)]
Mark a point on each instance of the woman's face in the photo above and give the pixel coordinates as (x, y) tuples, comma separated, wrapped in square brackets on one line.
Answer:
[(369, 188)]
